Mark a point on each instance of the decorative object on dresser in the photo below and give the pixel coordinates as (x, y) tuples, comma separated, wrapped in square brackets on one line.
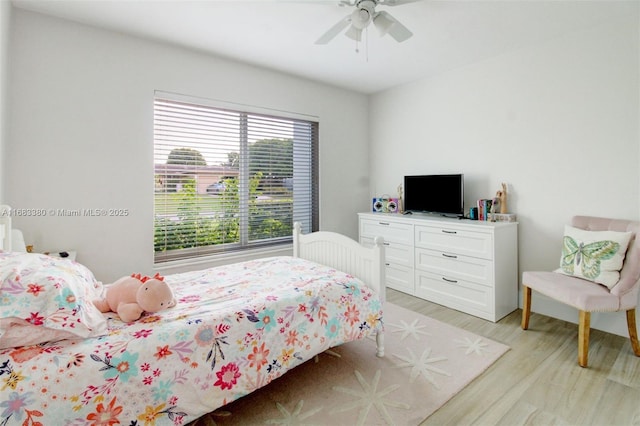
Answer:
[(593, 252), (385, 204), (473, 213), (507, 217), (470, 266), (495, 209), (501, 196)]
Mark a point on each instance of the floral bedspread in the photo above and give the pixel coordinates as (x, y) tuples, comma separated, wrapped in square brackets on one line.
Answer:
[(235, 329)]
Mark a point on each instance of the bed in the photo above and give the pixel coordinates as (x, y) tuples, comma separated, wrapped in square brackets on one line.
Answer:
[(235, 329)]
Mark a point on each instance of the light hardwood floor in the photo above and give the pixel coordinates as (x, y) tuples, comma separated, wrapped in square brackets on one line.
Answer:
[(538, 381)]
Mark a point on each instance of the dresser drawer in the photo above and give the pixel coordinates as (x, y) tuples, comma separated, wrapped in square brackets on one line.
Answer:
[(465, 296), (456, 266), (400, 254), (455, 241), (399, 277), (392, 232)]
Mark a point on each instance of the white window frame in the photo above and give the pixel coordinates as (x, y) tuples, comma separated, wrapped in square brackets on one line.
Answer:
[(305, 178)]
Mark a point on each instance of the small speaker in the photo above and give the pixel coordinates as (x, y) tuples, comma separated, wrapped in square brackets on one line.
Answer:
[(385, 205), (392, 206)]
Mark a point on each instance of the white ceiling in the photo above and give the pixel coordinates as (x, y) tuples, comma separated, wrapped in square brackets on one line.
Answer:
[(280, 34)]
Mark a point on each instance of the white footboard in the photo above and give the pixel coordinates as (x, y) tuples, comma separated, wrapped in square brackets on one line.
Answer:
[(343, 253)]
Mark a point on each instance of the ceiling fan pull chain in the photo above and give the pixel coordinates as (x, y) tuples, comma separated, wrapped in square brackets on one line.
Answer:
[(366, 45)]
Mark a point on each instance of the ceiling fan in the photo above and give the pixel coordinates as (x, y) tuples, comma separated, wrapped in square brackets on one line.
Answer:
[(364, 14)]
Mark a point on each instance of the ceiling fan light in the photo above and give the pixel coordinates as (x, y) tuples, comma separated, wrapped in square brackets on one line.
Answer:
[(383, 24), (354, 33), (360, 18)]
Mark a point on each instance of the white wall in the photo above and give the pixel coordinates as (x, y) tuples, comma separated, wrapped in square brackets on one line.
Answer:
[(81, 134), (5, 20), (558, 122)]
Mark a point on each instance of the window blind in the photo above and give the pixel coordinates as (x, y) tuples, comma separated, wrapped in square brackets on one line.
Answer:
[(228, 179)]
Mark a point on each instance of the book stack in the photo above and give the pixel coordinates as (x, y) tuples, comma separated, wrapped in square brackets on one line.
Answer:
[(484, 212), (484, 209)]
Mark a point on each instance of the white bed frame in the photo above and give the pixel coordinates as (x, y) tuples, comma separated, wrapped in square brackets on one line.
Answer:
[(327, 248), (344, 254), (5, 228)]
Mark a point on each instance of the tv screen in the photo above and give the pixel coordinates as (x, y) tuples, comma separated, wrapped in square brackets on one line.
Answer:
[(442, 194)]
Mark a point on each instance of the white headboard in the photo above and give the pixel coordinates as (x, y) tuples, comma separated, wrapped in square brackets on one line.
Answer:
[(5, 228)]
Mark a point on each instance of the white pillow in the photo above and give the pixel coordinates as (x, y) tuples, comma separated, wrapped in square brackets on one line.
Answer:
[(17, 241), (594, 255), (46, 298)]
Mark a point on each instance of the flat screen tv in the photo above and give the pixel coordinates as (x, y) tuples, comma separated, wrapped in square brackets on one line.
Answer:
[(440, 194)]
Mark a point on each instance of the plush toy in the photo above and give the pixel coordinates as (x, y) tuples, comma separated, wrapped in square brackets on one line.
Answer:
[(130, 296)]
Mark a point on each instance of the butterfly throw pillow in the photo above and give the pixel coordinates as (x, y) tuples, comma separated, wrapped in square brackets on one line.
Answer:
[(594, 255)]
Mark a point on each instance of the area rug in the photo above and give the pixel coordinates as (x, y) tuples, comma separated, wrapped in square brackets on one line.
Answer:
[(426, 362)]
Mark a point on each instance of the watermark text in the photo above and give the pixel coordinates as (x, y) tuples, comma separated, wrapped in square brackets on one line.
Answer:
[(83, 212)]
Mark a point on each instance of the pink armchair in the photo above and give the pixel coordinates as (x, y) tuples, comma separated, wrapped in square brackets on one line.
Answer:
[(590, 297)]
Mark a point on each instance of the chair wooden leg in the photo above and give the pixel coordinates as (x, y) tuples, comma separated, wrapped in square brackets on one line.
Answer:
[(633, 331), (526, 307), (584, 327)]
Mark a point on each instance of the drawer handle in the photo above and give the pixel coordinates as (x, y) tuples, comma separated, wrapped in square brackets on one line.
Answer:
[(450, 256), (449, 232), (383, 223), (386, 244), (450, 281), (386, 264)]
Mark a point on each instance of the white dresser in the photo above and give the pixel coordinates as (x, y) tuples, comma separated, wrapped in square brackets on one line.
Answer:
[(470, 266)]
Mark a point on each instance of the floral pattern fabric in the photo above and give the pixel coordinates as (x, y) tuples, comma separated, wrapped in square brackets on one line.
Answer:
[(45, 298), (235, 329)]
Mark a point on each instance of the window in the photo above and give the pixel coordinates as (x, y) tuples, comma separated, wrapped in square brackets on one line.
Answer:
[(229, 179)]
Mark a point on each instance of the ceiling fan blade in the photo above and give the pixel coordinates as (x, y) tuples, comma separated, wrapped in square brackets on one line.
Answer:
[(387, 24), (334, 31), (383, 22), (400, 33), (354, 33), (396, 2)]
